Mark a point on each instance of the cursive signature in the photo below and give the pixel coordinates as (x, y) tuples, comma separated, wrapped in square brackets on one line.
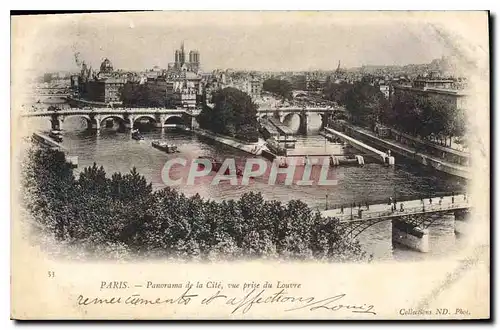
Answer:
[(281, 297), (328, 304)]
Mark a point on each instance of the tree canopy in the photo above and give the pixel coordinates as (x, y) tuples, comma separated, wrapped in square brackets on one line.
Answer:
[(364, 102), (426, 116), (279, 87), (134, 94), (234, 114), (336, 91), (121, 216)]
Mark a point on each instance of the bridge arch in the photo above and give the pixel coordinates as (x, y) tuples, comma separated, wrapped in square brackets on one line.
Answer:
[(289, 116), (175, 120), (87, 119), (104, 118), (288, 120), (139, 117)]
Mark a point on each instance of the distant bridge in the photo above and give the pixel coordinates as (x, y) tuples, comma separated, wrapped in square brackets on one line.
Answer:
[(284, 114), (127, 117)]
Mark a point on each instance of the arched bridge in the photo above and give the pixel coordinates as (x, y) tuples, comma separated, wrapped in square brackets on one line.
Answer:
[(282, 114), (161, 117), (127, 117), (415, 213)]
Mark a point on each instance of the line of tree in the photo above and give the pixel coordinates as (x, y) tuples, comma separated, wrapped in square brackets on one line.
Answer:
[(121, 215), (427, 117), (233, 114), (278, 87), (142, 95), (420, 115), (364, 102)]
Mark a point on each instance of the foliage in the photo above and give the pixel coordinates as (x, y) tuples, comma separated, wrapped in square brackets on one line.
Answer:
[(121, 215), (314, 85), (426, 116), (419, 115), (365, 103), (234, 114), (135, 94), (336, 92), (279, 87)]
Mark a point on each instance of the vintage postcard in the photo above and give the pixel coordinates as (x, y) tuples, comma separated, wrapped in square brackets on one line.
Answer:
[(250, 165)]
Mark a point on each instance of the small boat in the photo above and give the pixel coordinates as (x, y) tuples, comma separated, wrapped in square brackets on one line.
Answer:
[(163, 146), (136, 135), (282, 163), (216, 165), (56, 135)]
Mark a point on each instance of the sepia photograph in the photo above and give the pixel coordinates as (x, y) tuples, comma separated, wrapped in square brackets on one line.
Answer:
[(250, 165)]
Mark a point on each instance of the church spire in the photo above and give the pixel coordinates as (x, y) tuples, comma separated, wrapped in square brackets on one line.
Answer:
[(183, 54)]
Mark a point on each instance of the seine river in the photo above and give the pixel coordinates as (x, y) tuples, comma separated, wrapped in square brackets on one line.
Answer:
[(374, 182)]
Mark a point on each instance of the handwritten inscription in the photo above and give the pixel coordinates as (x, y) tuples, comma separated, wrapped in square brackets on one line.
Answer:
[(240, 302)]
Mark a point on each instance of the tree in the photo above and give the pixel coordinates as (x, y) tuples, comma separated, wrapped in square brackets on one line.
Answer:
[(122, 214), (279, 87), (233, 114), (314, 85), (427, 117), (365, 103), (135, 94), (336, 92)]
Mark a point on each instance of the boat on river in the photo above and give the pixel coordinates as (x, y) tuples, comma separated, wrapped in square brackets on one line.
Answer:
[(136, 135), (216, 165), (56, 135), (164, 146)]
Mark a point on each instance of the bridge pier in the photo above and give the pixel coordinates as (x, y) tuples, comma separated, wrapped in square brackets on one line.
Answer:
[(461, 221), (128, 121), (160, 121), (304, 123), (279, 115), (324, 120), (194, 123), (56, 123), (95, 122), (410, 235)]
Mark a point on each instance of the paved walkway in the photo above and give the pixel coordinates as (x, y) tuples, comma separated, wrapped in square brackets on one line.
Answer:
[(354, 141), (411, 150), (251, 148), (409, 208)]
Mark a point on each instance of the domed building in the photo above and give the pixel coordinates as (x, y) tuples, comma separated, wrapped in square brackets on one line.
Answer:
[(106, 66), (103, 87)]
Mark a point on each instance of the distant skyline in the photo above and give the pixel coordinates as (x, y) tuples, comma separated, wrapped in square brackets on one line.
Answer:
[(245, 41)]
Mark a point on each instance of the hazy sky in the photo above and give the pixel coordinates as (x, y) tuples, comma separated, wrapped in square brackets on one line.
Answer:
[(288, 41)]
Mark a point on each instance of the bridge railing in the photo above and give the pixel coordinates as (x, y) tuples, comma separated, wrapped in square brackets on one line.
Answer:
[(108, 111), (369, 215)]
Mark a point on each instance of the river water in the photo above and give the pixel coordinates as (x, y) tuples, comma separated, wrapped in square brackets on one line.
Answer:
[(374, 182)]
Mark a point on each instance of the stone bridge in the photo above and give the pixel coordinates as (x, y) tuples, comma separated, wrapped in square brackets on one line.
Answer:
[(96, 118), (284, 114), (161, 117)]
